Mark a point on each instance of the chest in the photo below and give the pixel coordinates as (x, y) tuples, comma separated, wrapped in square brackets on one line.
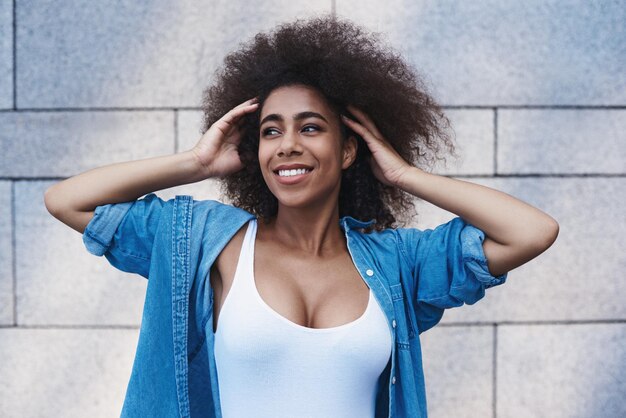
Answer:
[(309, 291)]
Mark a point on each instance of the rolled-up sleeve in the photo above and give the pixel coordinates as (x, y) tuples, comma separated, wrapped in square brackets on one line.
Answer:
[(124, 233), (449, 268)]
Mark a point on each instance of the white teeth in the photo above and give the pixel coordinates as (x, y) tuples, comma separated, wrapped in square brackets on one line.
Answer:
[(293, 172)]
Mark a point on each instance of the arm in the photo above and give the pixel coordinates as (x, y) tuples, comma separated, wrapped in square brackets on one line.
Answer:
[(74, 200), (516, 232)]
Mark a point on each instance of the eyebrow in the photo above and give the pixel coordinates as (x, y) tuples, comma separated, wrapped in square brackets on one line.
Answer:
[(297, 116)]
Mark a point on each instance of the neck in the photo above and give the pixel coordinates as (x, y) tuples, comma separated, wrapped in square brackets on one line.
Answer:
[(314, 230)]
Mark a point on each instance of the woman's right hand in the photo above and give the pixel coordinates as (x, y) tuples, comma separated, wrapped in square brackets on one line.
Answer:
[(217, 149)]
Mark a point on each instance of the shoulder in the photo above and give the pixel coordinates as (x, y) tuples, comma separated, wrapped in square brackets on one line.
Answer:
[(198, 207), (213, 211), (211, 205), (386, 241)]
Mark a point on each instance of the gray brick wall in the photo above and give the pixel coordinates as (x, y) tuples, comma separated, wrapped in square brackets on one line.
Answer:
[(536, 93)]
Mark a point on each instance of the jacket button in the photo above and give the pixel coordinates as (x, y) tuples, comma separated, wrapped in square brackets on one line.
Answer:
[(393, 380), (393, 323), (369, 272)]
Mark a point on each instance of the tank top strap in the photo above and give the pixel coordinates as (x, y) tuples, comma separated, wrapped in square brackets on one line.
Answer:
[(244, 274)]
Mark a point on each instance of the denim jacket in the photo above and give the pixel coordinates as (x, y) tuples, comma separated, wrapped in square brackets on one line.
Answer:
[(414, 274)]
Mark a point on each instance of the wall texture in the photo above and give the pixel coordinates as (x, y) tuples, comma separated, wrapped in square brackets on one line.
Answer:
[(536, 91)]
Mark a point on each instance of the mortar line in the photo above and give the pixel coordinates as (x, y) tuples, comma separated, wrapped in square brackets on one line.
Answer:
[(445, 107), (465, 324), (14, 55), (539, 323), (101, 109), (537, 107), (494, 371), (70, 326), (176, 145), (495, 141)]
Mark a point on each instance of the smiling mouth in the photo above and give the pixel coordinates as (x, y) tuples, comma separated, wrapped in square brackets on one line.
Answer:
[(292, 172)]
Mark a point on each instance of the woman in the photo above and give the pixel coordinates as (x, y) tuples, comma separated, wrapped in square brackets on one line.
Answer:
[(289, 303)]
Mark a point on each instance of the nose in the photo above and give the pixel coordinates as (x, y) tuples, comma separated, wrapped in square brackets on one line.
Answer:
[(289, 144)]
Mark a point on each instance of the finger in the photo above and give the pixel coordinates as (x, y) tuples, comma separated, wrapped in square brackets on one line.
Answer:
[(249, 101), (230, 120), (365, 133), (245, 105), (236, 113), (365, 120)]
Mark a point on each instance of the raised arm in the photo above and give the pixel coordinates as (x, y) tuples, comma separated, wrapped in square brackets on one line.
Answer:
[(74, 200), (515, 231)]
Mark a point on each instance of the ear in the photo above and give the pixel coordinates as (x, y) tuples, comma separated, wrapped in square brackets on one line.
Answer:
[(349, 152)]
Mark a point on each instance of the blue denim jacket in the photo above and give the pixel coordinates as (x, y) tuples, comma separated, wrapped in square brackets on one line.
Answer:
[(414, 274)]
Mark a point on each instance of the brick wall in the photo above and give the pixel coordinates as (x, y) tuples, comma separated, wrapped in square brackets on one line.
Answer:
[(535, 90)]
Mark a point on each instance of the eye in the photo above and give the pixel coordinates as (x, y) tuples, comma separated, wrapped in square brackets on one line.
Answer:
[(268, 131), (311, 126)]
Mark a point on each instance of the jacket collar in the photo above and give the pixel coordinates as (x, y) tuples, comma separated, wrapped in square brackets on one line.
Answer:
[(348, 222)]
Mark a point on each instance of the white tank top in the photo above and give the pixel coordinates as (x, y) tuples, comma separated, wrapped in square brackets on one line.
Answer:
[(269, 366)]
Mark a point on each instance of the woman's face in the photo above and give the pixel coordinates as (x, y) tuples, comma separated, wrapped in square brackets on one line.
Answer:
[(301, 152)]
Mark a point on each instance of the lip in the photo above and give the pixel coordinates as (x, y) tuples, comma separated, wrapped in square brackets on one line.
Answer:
[(291, 179), (291, 167)]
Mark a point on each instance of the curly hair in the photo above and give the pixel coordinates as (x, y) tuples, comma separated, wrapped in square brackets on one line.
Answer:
[(347, 65)]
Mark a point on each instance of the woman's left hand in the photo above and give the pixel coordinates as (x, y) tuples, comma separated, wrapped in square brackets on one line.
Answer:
[(387, 165)]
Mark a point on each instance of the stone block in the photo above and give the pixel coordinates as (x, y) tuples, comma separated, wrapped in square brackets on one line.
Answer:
[(189, 129), (473, 131), (134, 54), (561, 371), (58, 281), (506, 53), (63, 144), (458, 370), (65, 372), (561, 141), (6, 55), (188, 134), (203, 190), (6, 254)]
